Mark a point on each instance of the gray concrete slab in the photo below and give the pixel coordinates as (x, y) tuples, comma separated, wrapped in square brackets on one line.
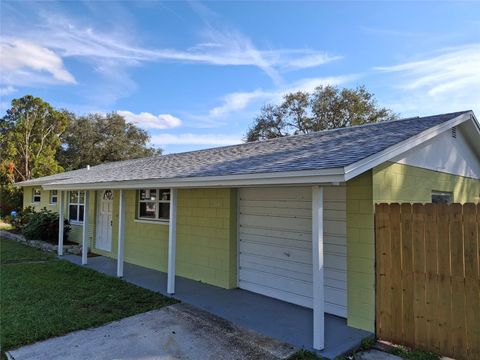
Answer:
[(375, 354), (179, 331), (278, 319)]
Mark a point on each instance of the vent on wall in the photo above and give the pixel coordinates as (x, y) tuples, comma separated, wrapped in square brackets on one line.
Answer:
[(454, 132)]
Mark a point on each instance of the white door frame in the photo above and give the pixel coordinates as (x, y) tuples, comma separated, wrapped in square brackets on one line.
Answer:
[(100, 195)]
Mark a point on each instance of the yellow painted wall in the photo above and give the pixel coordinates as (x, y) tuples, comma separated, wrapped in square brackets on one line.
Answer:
[(360, 253), (394, 182), (44, 199), (206, 236)]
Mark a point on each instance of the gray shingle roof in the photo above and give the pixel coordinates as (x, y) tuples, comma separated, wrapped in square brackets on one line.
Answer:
[(316, 151)]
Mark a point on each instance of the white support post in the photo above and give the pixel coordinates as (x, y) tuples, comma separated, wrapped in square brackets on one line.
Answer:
[(61, 222), (172, 242), (85, 228), (121, 233), (318, 286)]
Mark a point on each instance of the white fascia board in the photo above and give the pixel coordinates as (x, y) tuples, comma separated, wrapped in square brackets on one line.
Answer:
[(335, 175), (387, 154), (35, 182)]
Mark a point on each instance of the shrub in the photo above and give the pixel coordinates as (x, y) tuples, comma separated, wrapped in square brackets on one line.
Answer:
[(42, 225), (22, 217)]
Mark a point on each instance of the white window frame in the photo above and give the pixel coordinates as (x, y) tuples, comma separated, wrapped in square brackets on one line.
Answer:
[(53, 195), (39, 195), (157, 202), (78, 204)]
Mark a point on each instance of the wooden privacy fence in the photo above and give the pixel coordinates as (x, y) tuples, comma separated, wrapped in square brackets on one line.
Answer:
[(428, 277)]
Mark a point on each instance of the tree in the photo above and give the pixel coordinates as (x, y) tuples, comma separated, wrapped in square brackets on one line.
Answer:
[(327, 107), (29, 138), (97, 138)]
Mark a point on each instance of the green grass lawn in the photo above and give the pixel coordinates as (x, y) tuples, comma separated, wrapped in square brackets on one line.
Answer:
[(42, 296)]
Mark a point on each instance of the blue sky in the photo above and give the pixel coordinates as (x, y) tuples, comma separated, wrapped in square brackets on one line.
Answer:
[(195, 74)]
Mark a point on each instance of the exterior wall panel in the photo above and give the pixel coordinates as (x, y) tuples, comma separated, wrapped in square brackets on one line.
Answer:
[(394, 182), (360, 253)]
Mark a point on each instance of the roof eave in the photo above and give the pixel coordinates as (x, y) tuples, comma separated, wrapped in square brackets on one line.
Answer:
[(333, 175)]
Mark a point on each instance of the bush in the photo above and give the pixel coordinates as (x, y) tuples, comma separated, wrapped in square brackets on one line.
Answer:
[(42, 225), (22, 217)]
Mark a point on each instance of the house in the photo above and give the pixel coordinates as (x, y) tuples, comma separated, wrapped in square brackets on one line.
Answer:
[(291, 218)]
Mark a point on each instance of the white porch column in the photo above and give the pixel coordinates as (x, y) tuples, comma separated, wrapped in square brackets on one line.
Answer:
[(61, 222), (121, 233), (85, 228), (172, 242), (318, 288)]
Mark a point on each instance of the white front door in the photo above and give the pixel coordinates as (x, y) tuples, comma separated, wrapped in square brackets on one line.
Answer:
[(275, 245), (103, 238)]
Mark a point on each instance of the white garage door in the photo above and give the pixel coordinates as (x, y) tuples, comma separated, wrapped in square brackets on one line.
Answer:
[(275, 234)]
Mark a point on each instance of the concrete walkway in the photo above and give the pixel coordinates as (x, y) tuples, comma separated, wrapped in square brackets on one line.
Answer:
[(175, 332), (277, 319)]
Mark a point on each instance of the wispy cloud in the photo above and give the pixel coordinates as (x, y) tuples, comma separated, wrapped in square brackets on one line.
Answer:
[(451, 69), (239, 101), (311, 60), (446, 80), (147, 120), (24, 61), (196, 139), (4, 91), (56, 36)]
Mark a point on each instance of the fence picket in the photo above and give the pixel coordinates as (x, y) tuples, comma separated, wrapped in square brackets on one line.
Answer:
[(444, 281), (407, 274), (384, 326), (472, 288), (458, 282), (418, 245), (431, 267), (396, 277)]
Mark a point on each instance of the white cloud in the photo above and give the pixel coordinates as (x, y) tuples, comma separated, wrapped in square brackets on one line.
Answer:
[(23, 58), (4, 91), (195, 139), (239, 101), (147, 120)]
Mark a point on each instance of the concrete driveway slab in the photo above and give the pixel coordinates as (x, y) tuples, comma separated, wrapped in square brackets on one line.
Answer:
[(179, 331)]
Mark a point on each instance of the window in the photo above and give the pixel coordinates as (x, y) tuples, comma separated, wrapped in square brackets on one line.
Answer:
[(439, 197), (76, 201), (154, 204), (53, 197), (36, 195)]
